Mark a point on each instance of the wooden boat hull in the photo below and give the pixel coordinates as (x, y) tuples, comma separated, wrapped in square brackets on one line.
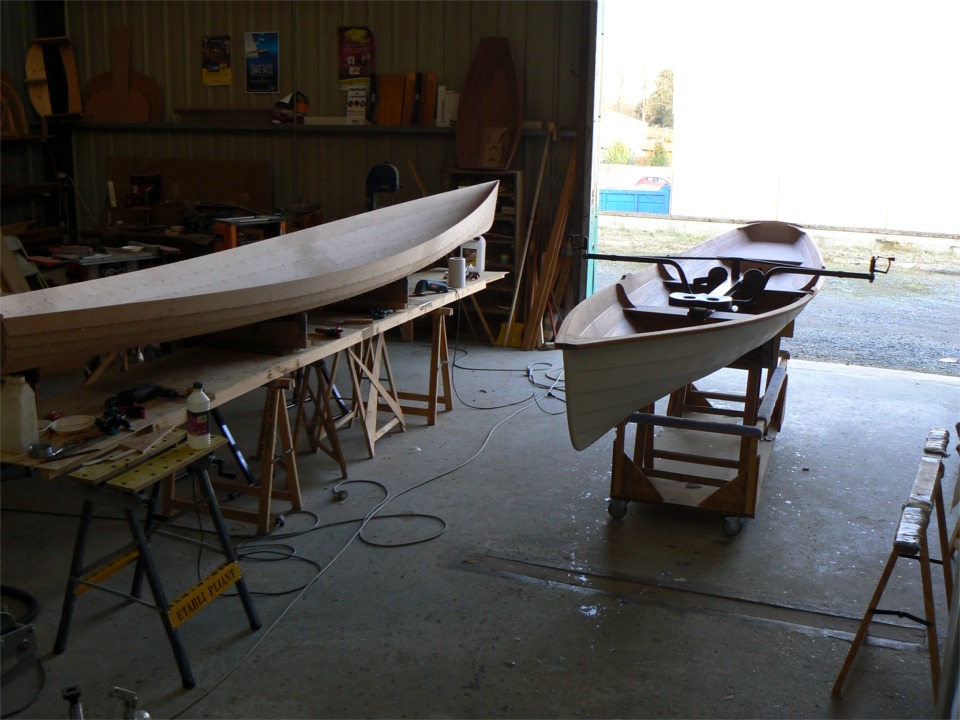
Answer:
[(292, 273), (618, 360)]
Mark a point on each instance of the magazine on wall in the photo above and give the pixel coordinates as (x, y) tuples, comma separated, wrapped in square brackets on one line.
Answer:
[(262, 61)]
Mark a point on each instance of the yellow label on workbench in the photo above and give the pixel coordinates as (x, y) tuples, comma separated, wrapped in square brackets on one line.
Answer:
[(105, 571), (197, 597)]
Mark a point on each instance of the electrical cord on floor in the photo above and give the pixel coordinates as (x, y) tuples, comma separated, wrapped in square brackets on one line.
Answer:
[(357, 535), (529, 372)]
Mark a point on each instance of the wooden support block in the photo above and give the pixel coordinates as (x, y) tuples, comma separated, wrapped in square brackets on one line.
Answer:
[(279, 336)]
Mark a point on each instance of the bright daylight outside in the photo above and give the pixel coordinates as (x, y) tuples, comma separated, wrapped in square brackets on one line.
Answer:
[(837, 117)]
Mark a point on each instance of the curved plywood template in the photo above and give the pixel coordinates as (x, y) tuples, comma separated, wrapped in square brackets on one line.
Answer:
[(14, 120), (115, 98), (53, 83), (490, 116)]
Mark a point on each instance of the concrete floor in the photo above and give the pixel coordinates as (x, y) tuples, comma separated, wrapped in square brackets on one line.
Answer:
[(533, 602)]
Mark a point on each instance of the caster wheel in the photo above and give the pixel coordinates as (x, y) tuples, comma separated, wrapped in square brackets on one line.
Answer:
[(617, 508), (732, 526)]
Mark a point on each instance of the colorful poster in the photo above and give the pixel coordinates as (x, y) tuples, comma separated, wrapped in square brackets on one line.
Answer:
[(215, 60), (355, 47), (262, 60)]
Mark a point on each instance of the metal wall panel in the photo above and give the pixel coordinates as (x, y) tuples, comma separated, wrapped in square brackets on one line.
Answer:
[(328, 167)]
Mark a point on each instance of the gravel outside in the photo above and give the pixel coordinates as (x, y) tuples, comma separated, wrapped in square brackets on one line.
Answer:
[(908, 319)]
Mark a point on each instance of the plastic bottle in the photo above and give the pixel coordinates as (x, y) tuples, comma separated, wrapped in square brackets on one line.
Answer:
[(198, 418), (18, 415), (476, 253)]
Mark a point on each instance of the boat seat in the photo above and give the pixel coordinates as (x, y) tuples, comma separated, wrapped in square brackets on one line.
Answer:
[(751, 285), (703, 301), (716, 277)]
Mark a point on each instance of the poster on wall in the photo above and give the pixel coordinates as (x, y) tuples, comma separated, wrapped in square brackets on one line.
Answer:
[(262, 61), (355, 50), (215, 66)]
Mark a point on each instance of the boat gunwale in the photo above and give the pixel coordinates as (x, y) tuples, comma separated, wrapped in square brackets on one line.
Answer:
[(576, 343)]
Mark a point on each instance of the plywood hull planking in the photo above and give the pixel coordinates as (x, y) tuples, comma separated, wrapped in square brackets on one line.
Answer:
[(291, 273), (619, 359)]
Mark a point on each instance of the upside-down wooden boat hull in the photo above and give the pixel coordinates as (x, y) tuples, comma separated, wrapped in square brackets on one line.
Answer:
[(291, 273), (626, 346)]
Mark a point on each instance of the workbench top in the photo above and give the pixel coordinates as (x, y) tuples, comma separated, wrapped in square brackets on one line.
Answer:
[(226, 374)]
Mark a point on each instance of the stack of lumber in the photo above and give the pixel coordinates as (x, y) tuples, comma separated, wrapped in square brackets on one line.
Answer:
[(553, 268)]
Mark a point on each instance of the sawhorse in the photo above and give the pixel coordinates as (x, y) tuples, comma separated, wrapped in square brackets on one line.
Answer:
[(316, 387), (275, 419), (910, 542), (370, 365), (439, 372), (144, 477)]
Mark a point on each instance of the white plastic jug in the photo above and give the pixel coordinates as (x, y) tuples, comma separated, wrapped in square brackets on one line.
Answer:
[(475, 252), (18, 415)]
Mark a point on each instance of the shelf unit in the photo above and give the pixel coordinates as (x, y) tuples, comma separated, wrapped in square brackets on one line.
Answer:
[(504, 239), (33, 192)]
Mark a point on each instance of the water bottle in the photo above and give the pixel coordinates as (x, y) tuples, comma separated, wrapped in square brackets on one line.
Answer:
[(198, 418)]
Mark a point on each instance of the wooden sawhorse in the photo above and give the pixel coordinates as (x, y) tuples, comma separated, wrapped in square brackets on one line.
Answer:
[(275, 419), (910, 542), (370, 366), (439, 373), (316, 387), (147, 476)]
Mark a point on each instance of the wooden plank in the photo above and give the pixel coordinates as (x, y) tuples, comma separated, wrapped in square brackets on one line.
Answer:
[(390, 94), (549, 271)]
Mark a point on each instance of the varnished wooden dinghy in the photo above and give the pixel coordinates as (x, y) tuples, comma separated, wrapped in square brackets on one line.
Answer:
[(291, 273), (681, 319)]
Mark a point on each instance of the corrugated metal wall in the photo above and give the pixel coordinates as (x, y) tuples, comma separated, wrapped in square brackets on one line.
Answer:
[(327, 165)]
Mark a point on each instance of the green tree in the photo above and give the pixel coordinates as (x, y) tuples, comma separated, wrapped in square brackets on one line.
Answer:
[(659, 157), (618, 154), (658, 108)]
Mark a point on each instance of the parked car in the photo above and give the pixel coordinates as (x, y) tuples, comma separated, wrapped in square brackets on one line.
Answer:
[(652, 183)]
